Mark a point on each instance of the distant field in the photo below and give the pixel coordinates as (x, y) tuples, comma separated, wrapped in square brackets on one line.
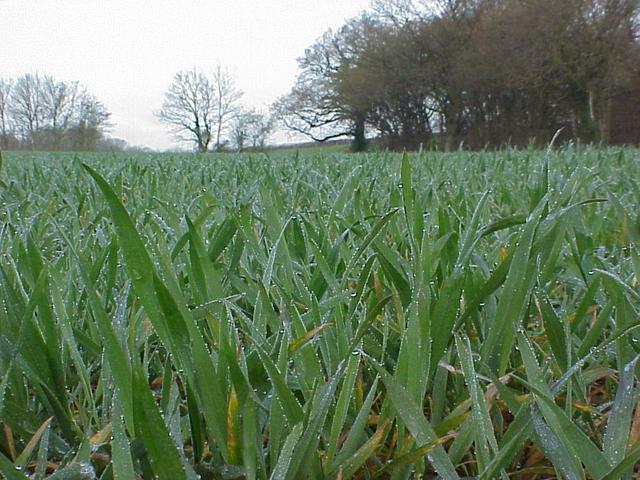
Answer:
[(466, 315), (313, 148)]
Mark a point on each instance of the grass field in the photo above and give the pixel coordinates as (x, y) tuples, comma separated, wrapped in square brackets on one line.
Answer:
[(466, 315), (312, 149)]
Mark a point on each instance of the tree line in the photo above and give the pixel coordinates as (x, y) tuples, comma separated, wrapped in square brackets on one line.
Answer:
[(405, 74), (38, 112), (483, 73)]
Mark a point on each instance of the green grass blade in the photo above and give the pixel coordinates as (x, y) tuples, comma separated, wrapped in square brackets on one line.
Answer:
[(619, 421), (9, 471), (342, 406), (485, 440), (500, 337), (563, 460), (412, 416), (120, 448), (286, 454), (161, 450)]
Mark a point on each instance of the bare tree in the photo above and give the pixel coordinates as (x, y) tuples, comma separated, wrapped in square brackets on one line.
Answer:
[(6, 128), (60, 104), (89, 123), (240, 131), (226, 96), (37, 111), (27, 107), (250, 129), (188, 108), (197, 107), (321, 104)]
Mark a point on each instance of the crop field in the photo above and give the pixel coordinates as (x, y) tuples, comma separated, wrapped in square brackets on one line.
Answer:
[(322, 316)]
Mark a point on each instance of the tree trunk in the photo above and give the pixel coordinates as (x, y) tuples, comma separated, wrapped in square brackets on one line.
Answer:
[(452, 133), (605, 126), (451, 125), (585, 128), (359, 142), (218, 133)]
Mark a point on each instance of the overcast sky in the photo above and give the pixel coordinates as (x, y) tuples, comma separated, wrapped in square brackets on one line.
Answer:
[(127, 51)]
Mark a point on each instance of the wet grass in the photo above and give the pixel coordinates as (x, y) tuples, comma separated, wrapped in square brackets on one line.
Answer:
[(320, 315)]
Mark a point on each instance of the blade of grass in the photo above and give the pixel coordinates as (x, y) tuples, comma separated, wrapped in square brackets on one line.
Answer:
[(619, 421), (415, 421)]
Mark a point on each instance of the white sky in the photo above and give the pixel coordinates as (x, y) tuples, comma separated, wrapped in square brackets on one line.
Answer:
[(126, 52)]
